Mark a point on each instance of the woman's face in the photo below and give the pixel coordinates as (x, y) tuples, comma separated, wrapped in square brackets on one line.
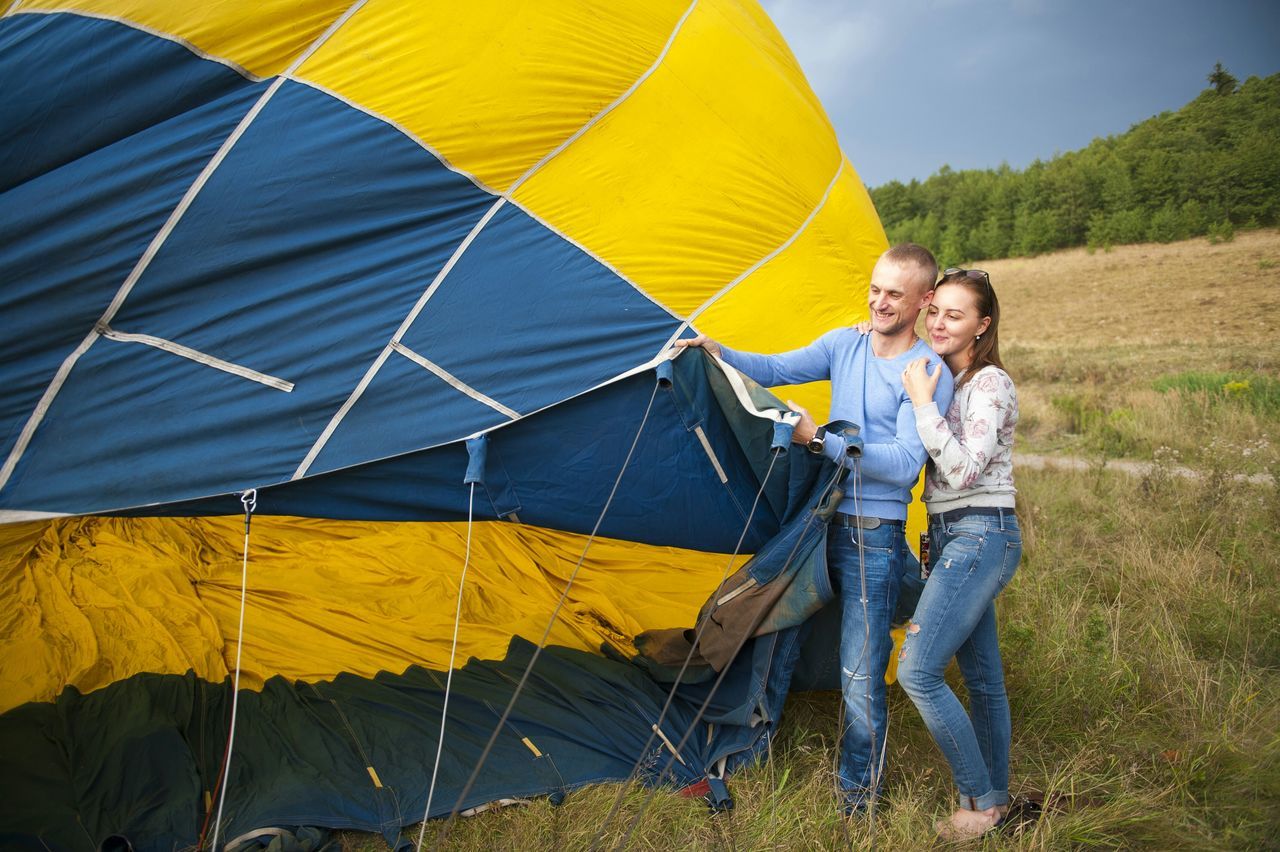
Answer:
[(953, 321)]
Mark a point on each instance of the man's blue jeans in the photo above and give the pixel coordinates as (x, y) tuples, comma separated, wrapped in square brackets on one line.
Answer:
[(865, 645), (974, 558)]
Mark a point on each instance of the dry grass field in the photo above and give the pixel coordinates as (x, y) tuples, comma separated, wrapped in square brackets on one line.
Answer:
[(1124, 352), (1141, 635), (1163, 297)]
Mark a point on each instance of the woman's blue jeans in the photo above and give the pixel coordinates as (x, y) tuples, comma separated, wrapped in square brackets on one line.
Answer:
[(974, 557)]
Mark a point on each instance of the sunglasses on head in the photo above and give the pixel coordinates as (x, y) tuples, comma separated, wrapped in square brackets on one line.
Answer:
[(975, 274)]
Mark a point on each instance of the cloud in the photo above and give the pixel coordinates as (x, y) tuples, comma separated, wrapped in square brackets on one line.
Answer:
[(835, 42)]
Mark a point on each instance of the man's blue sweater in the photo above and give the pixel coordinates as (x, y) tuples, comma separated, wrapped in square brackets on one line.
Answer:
[(865, 390)]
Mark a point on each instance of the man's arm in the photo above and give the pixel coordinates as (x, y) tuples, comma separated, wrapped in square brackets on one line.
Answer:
[(898, 462), (808, 364)]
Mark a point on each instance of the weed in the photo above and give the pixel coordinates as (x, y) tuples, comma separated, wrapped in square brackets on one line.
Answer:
[(1251, 392)]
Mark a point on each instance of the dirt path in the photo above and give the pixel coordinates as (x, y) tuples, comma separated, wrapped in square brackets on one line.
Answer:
[(1133, 468)]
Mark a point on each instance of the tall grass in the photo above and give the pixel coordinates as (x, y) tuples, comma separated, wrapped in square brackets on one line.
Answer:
[(1247, 391)]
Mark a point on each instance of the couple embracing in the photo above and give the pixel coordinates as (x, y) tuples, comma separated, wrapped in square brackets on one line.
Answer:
[(952, 404)]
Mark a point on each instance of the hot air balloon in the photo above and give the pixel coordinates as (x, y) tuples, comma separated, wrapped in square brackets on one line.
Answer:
[(337, 367)]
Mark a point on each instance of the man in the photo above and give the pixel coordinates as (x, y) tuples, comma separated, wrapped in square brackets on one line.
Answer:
[(865, 543)]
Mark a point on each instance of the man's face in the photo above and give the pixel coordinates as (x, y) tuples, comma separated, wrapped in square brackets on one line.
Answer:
[(896, 297)]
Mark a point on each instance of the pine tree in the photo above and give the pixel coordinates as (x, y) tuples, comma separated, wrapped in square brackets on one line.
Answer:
[(1222, 80)]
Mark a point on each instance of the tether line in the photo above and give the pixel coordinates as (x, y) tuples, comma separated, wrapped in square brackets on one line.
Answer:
[(720, 679), (448, 683), (250, 501), (555, 614), (700, 628)]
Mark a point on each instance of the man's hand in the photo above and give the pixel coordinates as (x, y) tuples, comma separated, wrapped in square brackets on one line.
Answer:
[(806, 428), (863, 327), (919, 383), (703, 342)]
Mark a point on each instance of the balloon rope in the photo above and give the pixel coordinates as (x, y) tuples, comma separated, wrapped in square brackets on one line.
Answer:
[(555, 614), (862, 659), (448, 683), (700, 628), (635, 821), (250, 501)]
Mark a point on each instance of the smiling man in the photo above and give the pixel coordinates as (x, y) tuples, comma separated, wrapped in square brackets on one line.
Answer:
[(865, 547)]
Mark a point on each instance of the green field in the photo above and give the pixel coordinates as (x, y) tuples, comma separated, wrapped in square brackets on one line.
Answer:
[(1142, 633)]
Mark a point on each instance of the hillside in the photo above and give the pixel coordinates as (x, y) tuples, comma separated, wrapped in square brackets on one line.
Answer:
[(1121, 353), (1208, 168)]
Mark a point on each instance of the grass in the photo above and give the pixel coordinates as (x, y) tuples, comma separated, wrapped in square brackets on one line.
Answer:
[(1120, 354), (1141, 636)]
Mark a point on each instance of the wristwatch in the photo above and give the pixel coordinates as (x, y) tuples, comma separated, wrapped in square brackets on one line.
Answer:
[(818, 441)]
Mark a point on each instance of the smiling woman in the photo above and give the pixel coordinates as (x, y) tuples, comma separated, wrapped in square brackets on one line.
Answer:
[(975, 545)]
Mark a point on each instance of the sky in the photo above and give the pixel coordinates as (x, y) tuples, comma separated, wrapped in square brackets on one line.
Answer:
[(912, 85)]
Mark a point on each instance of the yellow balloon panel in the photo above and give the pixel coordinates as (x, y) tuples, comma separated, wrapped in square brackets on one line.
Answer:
[(263, 37), (91, 602), (818, 283), (492, 85), (708, 166), (96, 600)]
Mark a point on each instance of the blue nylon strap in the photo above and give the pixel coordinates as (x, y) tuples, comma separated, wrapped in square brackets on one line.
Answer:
[(718, 797), (782, 435), (664, 372), (849, 431), (477, 451)]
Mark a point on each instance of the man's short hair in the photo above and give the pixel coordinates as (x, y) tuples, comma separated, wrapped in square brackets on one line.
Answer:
[(911, 254)]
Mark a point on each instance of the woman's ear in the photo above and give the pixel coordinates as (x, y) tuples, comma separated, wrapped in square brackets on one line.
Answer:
[(984, 325)]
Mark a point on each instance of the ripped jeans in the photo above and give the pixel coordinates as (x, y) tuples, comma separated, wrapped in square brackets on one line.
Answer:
[(975, 556), (865, 646)]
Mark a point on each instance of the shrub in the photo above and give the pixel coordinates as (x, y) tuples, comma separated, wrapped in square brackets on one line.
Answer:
[(1254, 392), (1222, 232)]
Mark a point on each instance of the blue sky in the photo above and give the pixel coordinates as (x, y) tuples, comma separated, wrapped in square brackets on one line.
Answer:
[(915, 84)]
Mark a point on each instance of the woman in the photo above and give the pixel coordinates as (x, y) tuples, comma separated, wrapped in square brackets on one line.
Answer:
[(975, 545)]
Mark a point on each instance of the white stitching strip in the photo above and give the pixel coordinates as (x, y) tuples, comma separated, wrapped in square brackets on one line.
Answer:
[(69, 362), (199, 357), (744, 398), (324, 36), (20, 446), (600, 260), (762, 261), (239, 69), (595, 119), (400, 332), (777, 251), (483, 187), (338, 416), (453, 380), (665, 355), (417, 140), (143, 262), (187, 200), (17, 516), (711, 454)]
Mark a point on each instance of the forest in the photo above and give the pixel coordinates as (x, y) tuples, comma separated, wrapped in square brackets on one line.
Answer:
[(1209, 168)]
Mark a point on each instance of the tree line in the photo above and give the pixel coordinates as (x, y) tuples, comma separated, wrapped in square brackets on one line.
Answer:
[(1206, 169)]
